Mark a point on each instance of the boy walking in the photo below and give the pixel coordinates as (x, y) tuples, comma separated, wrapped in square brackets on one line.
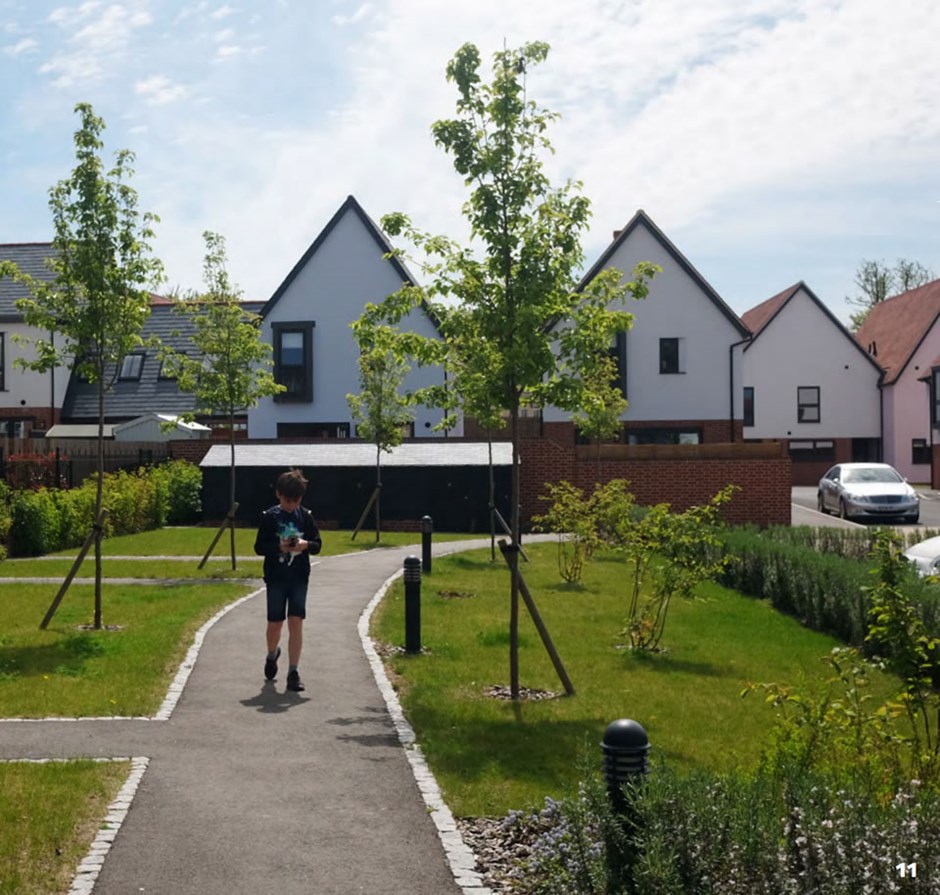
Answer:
[(287, 536)]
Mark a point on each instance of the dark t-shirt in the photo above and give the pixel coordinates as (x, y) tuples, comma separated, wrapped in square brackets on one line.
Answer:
[(276, 524)]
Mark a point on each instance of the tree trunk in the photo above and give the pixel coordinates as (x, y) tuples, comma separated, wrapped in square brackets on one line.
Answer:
[(99, 499), (514, 569), (489, 444), (378, 492), (231, 484)]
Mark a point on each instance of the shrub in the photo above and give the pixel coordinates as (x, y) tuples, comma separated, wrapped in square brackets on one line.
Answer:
[(6, 517), (36, 523), (180, 484), (47, 520), (35, 470)]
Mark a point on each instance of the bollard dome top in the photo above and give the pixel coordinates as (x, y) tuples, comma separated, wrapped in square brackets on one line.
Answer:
[(625, 733)]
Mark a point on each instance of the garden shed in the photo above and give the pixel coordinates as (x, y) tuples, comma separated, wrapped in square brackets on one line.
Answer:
[(447, 480)]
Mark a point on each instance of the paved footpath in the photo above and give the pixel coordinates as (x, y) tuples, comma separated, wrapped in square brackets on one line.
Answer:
[(251, 789)]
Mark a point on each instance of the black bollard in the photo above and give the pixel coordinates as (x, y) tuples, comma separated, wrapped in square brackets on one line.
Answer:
[(625, 747), (412, 604), (427, 526)]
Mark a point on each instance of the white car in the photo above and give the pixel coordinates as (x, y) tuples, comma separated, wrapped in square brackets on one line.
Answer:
[(868, 491), (926, 556)]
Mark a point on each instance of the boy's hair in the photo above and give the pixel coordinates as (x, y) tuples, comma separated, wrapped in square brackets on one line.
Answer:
[(291, 484)]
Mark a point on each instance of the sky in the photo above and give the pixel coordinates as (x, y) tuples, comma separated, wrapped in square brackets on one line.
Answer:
[(771, 140)]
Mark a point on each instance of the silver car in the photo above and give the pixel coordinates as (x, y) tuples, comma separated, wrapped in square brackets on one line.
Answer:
[(867, 491), (925, 556)]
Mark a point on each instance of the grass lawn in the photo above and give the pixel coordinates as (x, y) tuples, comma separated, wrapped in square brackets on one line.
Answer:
[(49, 815), (65, 671), (194, 541), (490, 756), (131, 568)]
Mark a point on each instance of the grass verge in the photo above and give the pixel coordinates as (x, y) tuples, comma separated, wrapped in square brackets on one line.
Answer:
[(132, 568), (70, 672), (491, 756), (49, 815)]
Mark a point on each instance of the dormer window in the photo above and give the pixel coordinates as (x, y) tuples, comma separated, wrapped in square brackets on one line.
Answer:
[(132, 366)]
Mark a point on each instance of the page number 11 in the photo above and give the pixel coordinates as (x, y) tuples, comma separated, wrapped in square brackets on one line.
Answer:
[(907, 870)]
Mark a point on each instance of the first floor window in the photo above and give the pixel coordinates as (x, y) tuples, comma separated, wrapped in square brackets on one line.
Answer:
[(670, 359), (748, 405), (807, 404), (3, 362), (618, 353), (293, 360), (920, 451)]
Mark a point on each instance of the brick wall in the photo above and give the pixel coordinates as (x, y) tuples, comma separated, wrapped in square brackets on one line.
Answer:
[(682, 475)]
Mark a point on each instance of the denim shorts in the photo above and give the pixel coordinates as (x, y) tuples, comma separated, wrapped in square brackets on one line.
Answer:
[(287, 599)]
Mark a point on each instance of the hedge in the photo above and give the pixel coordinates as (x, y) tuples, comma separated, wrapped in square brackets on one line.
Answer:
[(824, 590), (46, 520)]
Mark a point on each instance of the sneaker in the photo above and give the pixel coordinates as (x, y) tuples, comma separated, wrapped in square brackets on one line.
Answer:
[(270, 666), (293, 681)]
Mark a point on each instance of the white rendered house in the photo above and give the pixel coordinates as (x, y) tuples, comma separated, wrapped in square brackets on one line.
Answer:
[(307, 321)]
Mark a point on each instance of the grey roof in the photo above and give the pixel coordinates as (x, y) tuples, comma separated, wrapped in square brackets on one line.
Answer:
[(436, 452), (30, 258), (131, 398), (79, 430)]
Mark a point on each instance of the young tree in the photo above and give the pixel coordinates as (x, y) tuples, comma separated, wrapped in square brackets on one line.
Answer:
[(380, 410), (876, 282), (518, 299), (228, 368), (98, 301)]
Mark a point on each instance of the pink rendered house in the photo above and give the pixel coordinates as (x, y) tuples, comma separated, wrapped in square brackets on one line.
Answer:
[(903, 335)]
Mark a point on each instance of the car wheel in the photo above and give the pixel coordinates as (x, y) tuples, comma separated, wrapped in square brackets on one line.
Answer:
[(821, 504)]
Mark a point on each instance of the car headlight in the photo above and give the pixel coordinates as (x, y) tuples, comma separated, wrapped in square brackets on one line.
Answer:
[(856, 498)]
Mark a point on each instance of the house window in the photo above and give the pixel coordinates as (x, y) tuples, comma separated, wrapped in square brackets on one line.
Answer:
[(920, 450), (3, 362), (807, 404), (618, 353), (167, 369), (313, 430), (812, 451), (670, 356), (17, 427), (131, 366), (662, 435), (749, 405), (293, 360), (935, 398)]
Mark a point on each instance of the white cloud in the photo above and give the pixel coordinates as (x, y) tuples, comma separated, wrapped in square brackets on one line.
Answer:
[(26, 45), (222, 12), (96, 42), (159, 90), (224, 36), (359, 15)]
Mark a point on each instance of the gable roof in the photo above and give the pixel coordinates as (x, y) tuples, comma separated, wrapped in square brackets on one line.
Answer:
[(642, 219), (895, 328), (30, 258), (128, 399), (381, 241), (758, 318)]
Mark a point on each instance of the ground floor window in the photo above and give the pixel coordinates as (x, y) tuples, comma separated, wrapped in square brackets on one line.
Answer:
[(920, 450), (812, 451), (313, 430), (662, 435)]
